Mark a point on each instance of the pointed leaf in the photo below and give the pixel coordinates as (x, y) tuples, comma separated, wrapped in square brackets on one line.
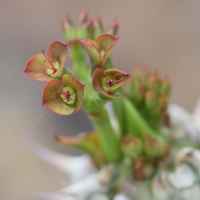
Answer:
[(35, 68), (58, 53), (88, 143), (80, 140), (113, 29), (52, 100), (78, 88), (68, 19), (97, 81), (83, 18)]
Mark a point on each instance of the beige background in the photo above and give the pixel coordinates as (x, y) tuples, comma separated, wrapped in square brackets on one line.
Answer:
[(162, 34)]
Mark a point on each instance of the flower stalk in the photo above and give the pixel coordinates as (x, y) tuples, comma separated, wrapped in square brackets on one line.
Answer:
[(108, 140)]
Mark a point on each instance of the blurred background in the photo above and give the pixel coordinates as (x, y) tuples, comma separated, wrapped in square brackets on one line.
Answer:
[(164, 35)]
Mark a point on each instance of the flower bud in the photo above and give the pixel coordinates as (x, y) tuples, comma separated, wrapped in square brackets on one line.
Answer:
[(137, 91), (141, 73), (97, 28), (150, 100), (162, 104), (132, 146), (153, 82), (165, 87), (83, 18), (80, 31), (114, 26), (139, 169), (154, 147)]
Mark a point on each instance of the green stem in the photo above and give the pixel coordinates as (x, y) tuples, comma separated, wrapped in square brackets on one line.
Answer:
[(135, 124), (108, 141), (119, 112), (66, 70), (110, 63)]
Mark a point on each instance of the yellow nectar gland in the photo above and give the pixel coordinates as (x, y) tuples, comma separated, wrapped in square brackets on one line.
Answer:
[(68, 95)]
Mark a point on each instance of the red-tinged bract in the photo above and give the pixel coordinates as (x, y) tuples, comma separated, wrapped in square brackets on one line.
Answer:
[(106, 83), (63, 99), (45, 67), (99, 50)]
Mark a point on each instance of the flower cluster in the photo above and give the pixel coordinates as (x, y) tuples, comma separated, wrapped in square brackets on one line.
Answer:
[(64, 93), (139, 107), (87, 85)]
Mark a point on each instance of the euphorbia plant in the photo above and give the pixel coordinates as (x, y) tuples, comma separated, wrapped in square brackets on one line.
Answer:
[(142, 141)]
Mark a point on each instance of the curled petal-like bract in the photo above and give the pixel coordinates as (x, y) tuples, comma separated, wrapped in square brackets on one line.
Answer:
[(58, 53), (35, 68), (106, 83), (44, 67), (92, 51), (52, 98), (78, 88), (63, 99), (100, 49), (106, 40)]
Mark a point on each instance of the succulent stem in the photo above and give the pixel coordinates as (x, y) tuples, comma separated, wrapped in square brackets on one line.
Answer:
[(108, 140), (134, 122)]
